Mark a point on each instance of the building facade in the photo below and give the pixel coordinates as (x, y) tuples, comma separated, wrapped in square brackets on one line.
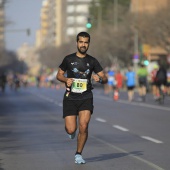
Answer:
[(61, 20)]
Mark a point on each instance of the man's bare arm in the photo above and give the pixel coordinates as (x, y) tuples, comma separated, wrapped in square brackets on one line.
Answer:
[(60, 76), (100, 77)]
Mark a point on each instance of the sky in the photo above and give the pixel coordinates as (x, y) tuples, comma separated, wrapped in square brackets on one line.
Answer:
[(22, 14)]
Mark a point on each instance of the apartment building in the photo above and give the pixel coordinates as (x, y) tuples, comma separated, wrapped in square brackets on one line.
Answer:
[(77, 12), (61, 20)]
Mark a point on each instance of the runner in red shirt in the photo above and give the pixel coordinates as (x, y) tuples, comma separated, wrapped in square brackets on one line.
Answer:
[(119, 80)]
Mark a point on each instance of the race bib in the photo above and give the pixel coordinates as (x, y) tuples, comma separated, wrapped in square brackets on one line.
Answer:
[(79, 85)]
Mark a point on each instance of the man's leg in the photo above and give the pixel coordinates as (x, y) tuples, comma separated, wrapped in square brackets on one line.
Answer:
[(71, 124), (84, 119)]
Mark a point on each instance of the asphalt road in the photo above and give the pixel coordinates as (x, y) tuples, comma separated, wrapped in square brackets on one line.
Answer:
[(122, 135)]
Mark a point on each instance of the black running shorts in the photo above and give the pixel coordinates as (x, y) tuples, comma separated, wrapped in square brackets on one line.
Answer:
[(130, 87), (72, 107)]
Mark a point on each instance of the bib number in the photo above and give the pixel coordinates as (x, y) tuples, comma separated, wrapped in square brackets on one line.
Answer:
[(79, 85)]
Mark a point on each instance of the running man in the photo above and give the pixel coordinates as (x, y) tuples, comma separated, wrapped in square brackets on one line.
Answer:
[(161, 79), (130, 83), (78, 97), (142, 74), (153, 80)]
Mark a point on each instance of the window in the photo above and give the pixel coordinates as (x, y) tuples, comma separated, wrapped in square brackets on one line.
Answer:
[(80, 19), (82, 8), (70, 9), (71, 31), (70, 20), (79, 29)]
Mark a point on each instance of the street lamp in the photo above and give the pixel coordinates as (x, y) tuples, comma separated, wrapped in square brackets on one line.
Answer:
[(115, 14), (99, 15)]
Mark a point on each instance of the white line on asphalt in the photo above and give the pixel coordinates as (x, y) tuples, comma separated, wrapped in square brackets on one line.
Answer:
[(135, 103), (120, 128), (100, 119), (48, 99), (145, 105), (151, 139), (156, 167)]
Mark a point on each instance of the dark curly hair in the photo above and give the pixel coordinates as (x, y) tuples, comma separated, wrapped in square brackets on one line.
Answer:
[(83, 34)]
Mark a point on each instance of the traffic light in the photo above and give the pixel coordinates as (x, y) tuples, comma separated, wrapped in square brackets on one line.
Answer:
[(146, 62), (88, 24)]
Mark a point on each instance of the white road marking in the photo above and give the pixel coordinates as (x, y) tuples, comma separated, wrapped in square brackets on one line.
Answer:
[(134, 103), (48, 99), (115, 126), (100, 119), (151, 139), (145, 105), (120, 128), (156, 167)]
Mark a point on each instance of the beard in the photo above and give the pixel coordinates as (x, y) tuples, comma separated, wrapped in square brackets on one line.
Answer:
[(82, 50)]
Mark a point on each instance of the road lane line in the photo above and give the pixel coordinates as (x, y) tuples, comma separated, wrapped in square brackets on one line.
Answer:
[(48, 99), (100, 120), (120, 128), (145, 105), (135, 103), (129, 154), (151, 139)]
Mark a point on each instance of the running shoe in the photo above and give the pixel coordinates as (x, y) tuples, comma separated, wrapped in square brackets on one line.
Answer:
[(79, 159), (72, 136)]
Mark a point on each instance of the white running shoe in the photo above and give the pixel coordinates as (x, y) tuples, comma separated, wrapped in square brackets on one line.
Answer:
[(72, 136), (79, 159)]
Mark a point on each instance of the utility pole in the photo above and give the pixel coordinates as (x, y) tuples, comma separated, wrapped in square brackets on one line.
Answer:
[(99, 15), (136, 38), (115, 15), (136, 41)]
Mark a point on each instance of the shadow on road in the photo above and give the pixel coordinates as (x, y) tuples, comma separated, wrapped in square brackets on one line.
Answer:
[(104, 157), (1, 165)]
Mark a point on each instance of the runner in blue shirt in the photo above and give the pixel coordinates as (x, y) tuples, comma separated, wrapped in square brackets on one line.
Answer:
[(130, 83)]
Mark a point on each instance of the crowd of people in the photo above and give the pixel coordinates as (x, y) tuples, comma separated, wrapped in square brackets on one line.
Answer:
[(130, 80), (16, 80), (140, 80)]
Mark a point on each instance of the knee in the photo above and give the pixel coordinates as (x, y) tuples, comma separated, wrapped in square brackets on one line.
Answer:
[(83, 128), (70, 130)]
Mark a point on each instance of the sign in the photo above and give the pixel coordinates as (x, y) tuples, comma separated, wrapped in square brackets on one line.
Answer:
[(136, 58), (146, 49)]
